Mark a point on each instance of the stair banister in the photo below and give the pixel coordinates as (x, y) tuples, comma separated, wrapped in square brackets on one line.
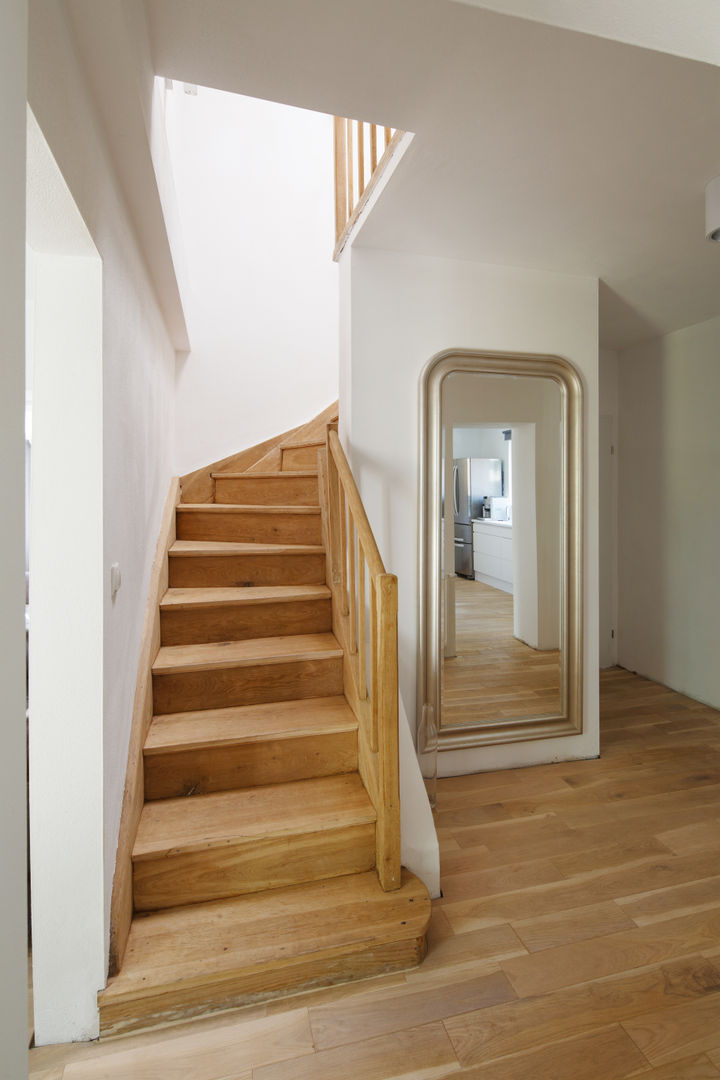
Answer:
[(365, 623), (357, 172)]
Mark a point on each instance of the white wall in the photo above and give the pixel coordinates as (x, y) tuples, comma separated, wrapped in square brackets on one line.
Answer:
[(66, 651), (609, 454), (13, 879), (669, 512), (138, 386), (405, 309), (254, 183)]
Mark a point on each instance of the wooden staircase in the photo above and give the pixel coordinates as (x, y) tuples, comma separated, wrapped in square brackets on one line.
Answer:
[(254, 856)]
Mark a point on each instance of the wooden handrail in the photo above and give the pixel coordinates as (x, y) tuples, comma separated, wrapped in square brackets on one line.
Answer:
[(365, 623), (356, 170)]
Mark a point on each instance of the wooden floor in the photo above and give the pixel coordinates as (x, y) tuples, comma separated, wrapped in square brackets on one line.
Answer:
[(578, 937), (494, 675)]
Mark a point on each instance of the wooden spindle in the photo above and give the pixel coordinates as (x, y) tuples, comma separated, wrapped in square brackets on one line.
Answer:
[(388, 136), (361, 157), (334, 515), (340, 176), (352, 643), (374, 651), (386, 694), (350, 170), (373, 148), (362, 645), (342, 504)]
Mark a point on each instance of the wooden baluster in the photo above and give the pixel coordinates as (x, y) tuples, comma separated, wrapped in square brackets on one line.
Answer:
[(385, 693), (350, 171), (352, 643), (362, 645), (361, 157), (388, 136), (334, 508), (343, 548), (374, 646), (373, 148), (340, 176)]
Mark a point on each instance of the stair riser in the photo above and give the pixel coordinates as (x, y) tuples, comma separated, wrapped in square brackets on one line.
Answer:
[(267, 491), (237, 571), (236, 869), (270, 761), (225, 687), (242, 621), (171, 1003), (299, 457), (249, 527)]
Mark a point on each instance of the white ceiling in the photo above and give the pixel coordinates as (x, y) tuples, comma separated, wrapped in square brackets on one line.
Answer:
[(682, 27), (535, 146)]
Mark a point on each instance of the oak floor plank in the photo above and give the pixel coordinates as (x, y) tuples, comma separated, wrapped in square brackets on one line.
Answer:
[(507, 1029), (449, 952), (666, 903), (645, 875), (584, 961), (500, 879), (673, 1034), (365, 1017), (578, 924), (702, 836), (423, 1053), (695, 1068), (233, 1050), (607, 1054)]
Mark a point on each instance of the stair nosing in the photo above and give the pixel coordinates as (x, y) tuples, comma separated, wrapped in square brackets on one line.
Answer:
[(240, 595), (241, 548), (291, 474), (247, 508), (261, 660)]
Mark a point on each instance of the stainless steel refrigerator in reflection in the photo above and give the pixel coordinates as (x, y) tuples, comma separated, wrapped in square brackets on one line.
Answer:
[(474, 480)]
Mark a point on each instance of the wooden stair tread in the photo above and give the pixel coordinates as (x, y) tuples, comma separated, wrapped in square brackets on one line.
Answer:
[(292, 474), (177, 599), (208, 942), (249, 723), (301, 445), (232, 547), (169, 827), (173, 659), (245, 508)]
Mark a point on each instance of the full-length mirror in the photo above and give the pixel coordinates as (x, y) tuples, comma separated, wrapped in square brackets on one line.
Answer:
[(500, 582)]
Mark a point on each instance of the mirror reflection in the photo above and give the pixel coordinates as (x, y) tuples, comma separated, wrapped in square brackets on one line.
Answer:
[(501, 571)]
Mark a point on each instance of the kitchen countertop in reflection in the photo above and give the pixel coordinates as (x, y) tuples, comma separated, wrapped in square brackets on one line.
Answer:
[(489, 521)]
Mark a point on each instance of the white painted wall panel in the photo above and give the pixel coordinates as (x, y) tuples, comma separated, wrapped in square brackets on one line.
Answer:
[(255, 197), (405, 309), (669, 510), (13, 879)]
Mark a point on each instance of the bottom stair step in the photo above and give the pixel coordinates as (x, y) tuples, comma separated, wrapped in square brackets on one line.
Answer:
[(225, 953)]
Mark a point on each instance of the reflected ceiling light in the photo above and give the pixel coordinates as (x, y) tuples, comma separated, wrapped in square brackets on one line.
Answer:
[(712, 209)]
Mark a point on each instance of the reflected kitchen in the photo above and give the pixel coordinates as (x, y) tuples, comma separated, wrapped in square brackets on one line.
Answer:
[(501, 600)]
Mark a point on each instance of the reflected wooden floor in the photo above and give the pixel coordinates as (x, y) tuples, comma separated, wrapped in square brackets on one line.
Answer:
[(578, 937), (494, 676)]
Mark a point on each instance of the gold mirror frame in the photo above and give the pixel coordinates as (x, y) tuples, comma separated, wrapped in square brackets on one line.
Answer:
[(569, 721)]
